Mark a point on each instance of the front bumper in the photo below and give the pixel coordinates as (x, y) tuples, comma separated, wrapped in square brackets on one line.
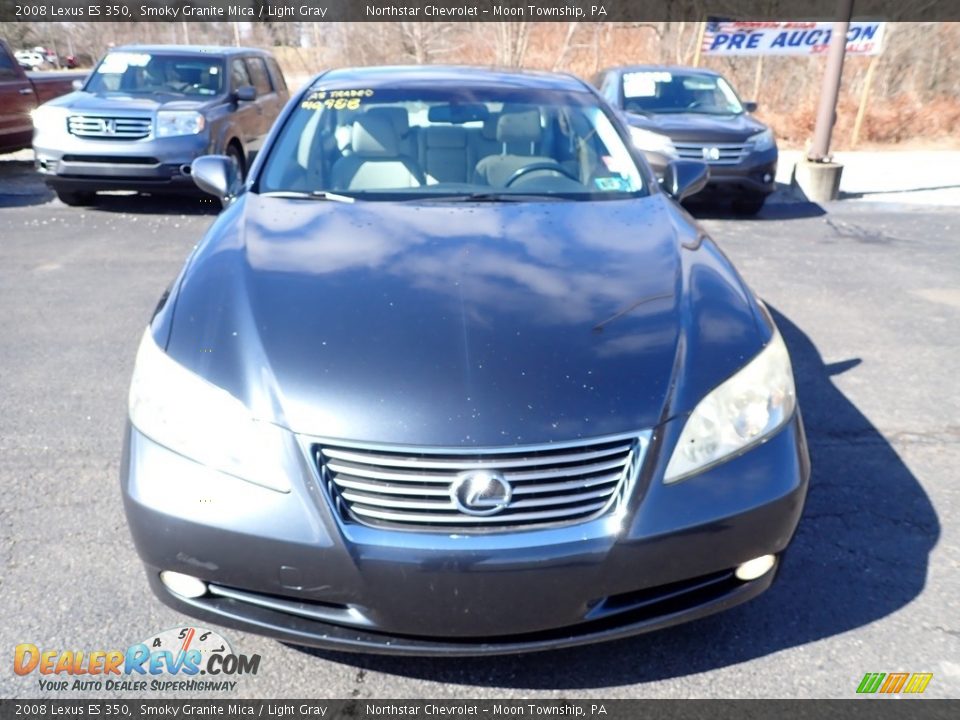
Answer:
[(755, 174), (283, 565), (67, 162)]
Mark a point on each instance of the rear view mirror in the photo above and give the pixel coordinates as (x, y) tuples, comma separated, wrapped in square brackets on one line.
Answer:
[(750, 107), (217, 175), (683, 178), (247, 93)]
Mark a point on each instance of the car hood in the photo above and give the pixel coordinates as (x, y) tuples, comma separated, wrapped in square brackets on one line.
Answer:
[(455, 324), (698, 127), (102, 103)]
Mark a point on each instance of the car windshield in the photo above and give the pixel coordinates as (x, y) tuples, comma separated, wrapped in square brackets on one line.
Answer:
[(494, 144), (661, 91), (143, 73)]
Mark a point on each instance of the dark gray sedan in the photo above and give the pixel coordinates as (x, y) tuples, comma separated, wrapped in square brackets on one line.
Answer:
[(146, 112), (453, 373)]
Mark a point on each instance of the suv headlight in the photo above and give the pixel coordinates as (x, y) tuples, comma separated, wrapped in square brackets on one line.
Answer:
[(763, 140), (190, 416), (179, 122), (652, 142), (746, 408), (49, 117)]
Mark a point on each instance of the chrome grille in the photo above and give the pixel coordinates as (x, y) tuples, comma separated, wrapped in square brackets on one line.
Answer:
[(713, 153), (415, 488), (109, 128)]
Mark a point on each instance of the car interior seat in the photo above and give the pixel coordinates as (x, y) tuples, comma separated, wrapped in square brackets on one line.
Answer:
[(519, 134), (375, 162)]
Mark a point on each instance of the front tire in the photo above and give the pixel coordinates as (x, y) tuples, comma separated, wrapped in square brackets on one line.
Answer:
[(236, 154), (76, 199), (749, 204)]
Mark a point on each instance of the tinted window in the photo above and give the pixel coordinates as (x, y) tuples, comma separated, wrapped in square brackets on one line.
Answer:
[(258, 73), (277, 75), (241, 78), (143, 73), (6, 66), (382, 143), (663, 91)]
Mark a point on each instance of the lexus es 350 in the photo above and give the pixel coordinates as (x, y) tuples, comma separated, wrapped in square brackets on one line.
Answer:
[(453, 373)]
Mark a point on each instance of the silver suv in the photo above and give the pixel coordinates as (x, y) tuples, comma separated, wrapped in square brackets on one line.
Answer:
[(145, 113)]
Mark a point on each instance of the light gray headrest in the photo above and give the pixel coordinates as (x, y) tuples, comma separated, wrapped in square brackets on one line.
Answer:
[(374, 135), (519, 127)]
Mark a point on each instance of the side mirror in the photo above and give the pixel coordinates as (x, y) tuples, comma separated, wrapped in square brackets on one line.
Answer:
[(247, 93), (750, 107), (683, 178), (77, 84), (217, 175)]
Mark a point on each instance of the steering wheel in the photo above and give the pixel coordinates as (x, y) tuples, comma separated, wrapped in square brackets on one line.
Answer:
[(540, 167), (695, 104)]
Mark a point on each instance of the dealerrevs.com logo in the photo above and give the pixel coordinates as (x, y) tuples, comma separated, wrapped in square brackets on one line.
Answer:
[(181, 659)]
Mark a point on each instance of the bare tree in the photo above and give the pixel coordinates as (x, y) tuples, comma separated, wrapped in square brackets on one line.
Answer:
[(511, 40), (425, 42)]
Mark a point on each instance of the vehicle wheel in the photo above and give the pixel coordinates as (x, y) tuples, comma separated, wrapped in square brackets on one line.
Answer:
[(236, 154), (748, 204), (76, 199)]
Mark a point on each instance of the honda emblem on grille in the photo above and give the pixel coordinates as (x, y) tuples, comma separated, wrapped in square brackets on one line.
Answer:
[(481, 492), (711, 153)]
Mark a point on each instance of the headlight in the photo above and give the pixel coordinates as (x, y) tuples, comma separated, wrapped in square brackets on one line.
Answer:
[(186, 414), (179, 122), (49, 117), (763, 140), (746, 408), (652, 142)]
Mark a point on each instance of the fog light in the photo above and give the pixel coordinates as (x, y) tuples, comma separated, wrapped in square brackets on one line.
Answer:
[(752, 569), (183, 585), (767, 178)]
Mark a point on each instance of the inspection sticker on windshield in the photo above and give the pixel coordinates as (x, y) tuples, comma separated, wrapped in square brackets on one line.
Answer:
[(335, 99), (612, 184), (644, 84), (118, 62)]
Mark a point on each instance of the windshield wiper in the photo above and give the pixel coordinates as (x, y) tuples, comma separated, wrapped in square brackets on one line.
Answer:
[(493, 196), (314, 195)]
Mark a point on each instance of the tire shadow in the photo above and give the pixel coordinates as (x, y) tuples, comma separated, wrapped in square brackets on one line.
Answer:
[(860, 554)]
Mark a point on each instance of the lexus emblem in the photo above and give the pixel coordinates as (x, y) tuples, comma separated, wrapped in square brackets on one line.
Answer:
[(481, 492), (711, 153)]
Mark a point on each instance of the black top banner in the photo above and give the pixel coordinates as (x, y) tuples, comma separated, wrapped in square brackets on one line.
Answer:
[(464, 10)]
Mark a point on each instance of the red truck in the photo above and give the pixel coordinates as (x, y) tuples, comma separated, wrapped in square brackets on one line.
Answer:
[(21, 92)]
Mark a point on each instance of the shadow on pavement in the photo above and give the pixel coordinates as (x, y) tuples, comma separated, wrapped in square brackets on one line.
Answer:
[(786, 203), (860, 554), (159, 204), (855, 195), (20, 186)]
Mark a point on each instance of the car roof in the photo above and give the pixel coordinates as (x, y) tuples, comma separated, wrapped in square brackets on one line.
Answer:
[(459, 75), (655, 68), (190, 50)]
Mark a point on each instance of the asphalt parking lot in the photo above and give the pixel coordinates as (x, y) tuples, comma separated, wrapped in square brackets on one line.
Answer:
[(866, 294)]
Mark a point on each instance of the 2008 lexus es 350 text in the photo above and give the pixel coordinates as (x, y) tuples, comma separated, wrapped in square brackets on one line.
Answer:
[(453, 374)]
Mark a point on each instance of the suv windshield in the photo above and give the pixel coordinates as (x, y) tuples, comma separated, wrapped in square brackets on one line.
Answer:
[(481, 143), (143, 73), (661, 91)]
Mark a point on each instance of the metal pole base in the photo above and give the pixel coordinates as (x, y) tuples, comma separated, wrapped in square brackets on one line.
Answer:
[(820, 182)]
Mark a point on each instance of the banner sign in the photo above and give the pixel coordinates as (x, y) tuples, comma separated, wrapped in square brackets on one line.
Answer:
[(723, 37)]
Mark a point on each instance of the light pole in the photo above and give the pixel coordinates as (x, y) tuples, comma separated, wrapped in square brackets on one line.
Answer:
[(816, 174)]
